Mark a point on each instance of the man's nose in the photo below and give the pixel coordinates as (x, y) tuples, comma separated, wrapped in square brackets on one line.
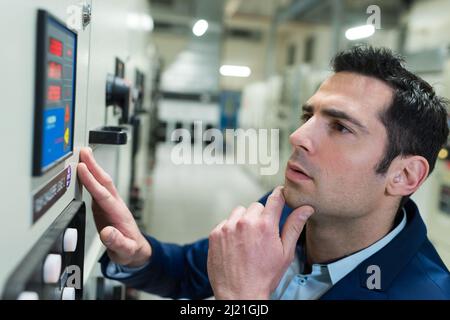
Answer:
[(302, 137)]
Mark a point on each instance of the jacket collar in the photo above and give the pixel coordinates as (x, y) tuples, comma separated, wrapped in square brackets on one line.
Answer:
[(391, 259)]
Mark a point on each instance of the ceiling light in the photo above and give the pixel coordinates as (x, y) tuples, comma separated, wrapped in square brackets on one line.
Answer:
[(360, 32), (235, 71), (200, 27)]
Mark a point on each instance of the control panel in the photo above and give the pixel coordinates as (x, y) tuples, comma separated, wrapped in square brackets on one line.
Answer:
[(53, 269), (54, 93), (72, 93)]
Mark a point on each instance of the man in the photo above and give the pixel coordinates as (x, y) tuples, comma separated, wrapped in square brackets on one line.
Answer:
[(369, 138)]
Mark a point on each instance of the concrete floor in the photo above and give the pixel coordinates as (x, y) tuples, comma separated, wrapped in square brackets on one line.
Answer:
[(187, 201)]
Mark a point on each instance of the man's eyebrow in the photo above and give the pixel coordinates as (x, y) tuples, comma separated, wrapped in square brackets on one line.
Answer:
[(338, 114)]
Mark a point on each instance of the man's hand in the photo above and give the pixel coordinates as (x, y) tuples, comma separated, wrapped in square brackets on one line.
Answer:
[(118, 231), (247, 257)]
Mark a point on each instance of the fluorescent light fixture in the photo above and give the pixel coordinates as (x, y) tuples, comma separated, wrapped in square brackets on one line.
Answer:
[(133, 21), (360, 32), (136, 21), (147, 23), (235, 71), (200, 27)]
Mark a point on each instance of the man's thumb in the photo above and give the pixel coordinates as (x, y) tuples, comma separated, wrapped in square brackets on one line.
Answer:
[(293, 228), (115, 241)]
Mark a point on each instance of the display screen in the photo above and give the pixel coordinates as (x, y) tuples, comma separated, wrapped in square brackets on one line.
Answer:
[(55, 47), (54, 70), (55, 93)]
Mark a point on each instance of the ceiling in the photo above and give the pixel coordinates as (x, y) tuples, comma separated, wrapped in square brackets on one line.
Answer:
[(259, 14)]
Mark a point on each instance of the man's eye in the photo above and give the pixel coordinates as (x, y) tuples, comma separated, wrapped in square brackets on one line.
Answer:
[(305, 117), (339, 127)]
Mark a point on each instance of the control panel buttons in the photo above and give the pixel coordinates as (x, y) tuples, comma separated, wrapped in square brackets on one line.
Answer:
[(52, 268), (28, 295), (70, 240), (68, 293)]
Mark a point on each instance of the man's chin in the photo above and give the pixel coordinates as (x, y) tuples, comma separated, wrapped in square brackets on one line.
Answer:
[(293, 197)]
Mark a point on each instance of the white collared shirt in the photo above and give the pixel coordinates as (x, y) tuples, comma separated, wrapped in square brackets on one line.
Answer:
[(297, 286)]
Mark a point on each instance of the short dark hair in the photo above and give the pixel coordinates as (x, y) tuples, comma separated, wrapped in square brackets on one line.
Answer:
[(416, 119)]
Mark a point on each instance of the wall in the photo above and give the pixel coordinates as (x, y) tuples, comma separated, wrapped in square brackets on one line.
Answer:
[(250, 53), (427, 25)]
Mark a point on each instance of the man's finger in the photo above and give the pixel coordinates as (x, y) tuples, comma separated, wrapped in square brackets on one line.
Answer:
[(236, 214), (98, 191), (220, 225), (275, 203), (255, 209), (293, 228), (102, 177), (122, 247), (101, 195)]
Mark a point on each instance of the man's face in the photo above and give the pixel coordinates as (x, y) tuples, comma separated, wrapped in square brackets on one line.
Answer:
[(338, 145)]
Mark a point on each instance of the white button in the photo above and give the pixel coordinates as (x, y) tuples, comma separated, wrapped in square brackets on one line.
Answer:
[(28, 295), (52, 268), (70, 240), (68, 293)]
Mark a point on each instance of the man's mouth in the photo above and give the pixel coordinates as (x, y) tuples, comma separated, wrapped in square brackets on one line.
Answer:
[(296, 173)]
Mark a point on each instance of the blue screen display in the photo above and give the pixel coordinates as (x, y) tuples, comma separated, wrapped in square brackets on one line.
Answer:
[(54, 146), (58, 96)]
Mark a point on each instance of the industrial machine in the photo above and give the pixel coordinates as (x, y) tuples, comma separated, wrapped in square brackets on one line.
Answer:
[(76, 77)]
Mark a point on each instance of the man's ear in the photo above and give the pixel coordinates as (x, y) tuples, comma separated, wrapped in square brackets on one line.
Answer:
[(407, 175)]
